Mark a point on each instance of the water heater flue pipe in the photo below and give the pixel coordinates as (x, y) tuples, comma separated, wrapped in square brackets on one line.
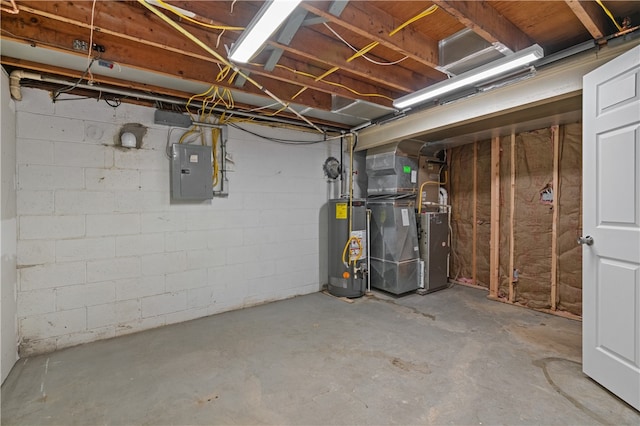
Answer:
[(14, 82)]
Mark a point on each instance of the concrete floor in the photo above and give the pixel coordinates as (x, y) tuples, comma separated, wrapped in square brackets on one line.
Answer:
[(451, 357)]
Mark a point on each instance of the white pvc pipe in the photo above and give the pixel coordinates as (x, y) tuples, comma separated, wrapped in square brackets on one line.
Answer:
[(14, 82)]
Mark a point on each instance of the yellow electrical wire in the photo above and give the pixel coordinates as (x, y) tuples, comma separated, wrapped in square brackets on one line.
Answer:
[(215, 135), (316, 78), (194, 21), (222, 60), (370, 46), (299, 92), (609, 14), (363, 51), (419, 16), (359, 53)]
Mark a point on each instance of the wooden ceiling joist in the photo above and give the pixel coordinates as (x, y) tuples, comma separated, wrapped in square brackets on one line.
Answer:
[(591, 15), (188, 61), (486, 22), (364, 19)]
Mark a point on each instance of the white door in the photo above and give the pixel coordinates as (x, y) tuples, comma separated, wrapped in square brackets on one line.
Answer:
[(611, 226)]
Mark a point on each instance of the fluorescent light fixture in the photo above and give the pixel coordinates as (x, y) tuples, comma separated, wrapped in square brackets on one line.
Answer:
[(270, 16), (484, 72)]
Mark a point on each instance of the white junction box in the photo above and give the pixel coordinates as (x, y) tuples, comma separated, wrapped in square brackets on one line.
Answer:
[(191, 172)]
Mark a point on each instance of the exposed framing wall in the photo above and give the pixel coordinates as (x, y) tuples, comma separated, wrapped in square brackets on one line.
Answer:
[(501, 222)]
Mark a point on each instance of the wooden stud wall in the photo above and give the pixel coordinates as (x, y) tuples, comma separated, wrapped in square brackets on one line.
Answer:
[(509, 200)]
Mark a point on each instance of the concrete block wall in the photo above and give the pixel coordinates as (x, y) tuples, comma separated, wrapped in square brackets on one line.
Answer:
[(102, 251), (8, 229)]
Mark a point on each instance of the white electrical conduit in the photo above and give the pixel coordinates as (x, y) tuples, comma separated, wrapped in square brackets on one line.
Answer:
[(17, 75), (219, 57)]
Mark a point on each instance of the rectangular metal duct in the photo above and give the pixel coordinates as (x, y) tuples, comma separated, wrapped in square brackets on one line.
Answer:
[(393, 169), (466, 50)]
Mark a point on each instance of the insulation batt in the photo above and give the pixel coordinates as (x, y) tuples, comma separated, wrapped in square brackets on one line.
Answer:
[(532, 216)]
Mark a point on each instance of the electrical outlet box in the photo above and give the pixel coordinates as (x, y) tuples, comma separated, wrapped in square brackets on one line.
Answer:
[(191, 172)]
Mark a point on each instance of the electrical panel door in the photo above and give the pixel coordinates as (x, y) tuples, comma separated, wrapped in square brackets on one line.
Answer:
[(191, 172)]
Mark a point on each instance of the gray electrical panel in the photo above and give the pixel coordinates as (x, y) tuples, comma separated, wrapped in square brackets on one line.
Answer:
[(191, 172)]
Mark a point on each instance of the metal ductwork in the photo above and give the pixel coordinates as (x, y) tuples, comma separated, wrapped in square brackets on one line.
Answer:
[(393, 169)]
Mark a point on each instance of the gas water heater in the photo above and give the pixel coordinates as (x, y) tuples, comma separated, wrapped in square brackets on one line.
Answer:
[(347, 247)]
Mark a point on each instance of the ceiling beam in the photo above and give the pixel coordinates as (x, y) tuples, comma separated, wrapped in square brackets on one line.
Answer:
[(173, 42), (157, 59), (285, 36), (335, 54), (486, 22), (591, 16), (375, 24), (315, 46)]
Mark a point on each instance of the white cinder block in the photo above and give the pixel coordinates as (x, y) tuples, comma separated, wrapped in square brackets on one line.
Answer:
[(30, 151), (112, 224), (98, 111), (162, 222), (113, 313), (112, 179), (260, 269), (50, 177), (139, 325), (164, 304), (273, 251), (206, 220), (183, 316), (82, 155), (36, 302), (210, 258), (34, 202), (100, 133), (186, 280), (51, 227), (240, 219), (139, 201), (36, 126), (141, 159), (85, 249), (34, 252), (228, 238), (186, 240), (243, 254), (53, 324), (306, 262), (151, 180), (52, 275), (136, 245), (200, 297), (263, 235), (84, 337), (113, 269), (223, 275), (37, 102), (163, 263), (156, 138), (83, 202), (77, 296), (134, 288)]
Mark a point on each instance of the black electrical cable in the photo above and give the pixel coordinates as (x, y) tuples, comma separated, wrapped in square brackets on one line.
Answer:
[(74, 85), (276, 140), (116, 102)]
